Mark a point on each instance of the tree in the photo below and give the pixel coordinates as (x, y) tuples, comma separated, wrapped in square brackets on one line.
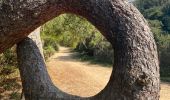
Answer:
[(35, 79), (136, 69)]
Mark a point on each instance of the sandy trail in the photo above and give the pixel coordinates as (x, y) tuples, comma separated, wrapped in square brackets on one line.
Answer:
[(82, 78)]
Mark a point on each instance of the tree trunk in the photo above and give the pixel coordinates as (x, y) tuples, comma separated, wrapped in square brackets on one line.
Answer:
[(136, 69), (36, 82), (35, 36)]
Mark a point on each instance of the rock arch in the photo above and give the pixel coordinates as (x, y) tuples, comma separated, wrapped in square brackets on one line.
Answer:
[(136, 68)]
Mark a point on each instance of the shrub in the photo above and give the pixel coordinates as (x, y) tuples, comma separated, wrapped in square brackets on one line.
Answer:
[(48, 51)]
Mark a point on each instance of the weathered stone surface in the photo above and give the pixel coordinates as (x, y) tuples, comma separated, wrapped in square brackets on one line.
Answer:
[(136, 69), (35, 36)]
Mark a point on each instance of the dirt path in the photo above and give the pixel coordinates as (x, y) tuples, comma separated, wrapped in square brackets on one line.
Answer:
[(82, 78)]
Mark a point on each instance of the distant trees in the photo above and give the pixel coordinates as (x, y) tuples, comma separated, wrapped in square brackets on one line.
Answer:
[(156, 10), (68, 29), (147, 4), (76, 32)]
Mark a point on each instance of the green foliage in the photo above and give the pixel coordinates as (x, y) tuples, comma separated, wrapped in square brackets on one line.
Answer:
[(48, 51), (67, 29), (97, 46), (75, 32), (147, 4), (166, 22), (155, 10), (153, 13), (8, 62), (8, 57), (9, 73), (166, 8)]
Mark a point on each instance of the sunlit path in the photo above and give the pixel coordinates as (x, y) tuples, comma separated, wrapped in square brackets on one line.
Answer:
[(83, 78), (74, 77)]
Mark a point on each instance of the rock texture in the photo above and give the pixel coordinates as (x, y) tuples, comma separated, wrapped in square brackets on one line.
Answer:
[(136, 70), (35, 36)]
